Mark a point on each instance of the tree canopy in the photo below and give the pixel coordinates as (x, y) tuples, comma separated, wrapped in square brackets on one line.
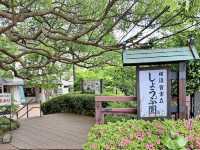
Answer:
[(37, 37)]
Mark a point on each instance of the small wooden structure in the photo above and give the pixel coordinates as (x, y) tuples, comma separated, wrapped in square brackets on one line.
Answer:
[(164, 57), (148, 59), (100, 111)]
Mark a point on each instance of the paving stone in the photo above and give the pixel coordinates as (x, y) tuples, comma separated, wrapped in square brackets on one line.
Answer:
[(56, 131), (7, 147)]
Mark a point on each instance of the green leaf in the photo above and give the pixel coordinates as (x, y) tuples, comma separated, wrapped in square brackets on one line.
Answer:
[(169, 143), (181, 141)]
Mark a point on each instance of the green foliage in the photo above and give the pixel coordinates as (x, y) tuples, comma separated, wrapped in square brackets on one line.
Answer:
[(122, 104), (5, 125), (6, 108), (125, 79), (145, 135), (115, 78), (115, 118), (178, 143), (193, 67), (193, 77), (84, 28), (74, 103)]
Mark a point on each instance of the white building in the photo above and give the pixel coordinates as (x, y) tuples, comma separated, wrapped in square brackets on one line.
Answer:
[(22, 93), (15, 87)]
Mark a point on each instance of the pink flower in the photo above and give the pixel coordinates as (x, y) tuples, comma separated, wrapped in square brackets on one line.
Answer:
[(94, 146), (158, 142), (139, 135), (160, 131), (189, 138), (188, 124), (197, 143), (125, 142), (107, 147), (148, 133), (149, 146), (160, 128), (177, 133)]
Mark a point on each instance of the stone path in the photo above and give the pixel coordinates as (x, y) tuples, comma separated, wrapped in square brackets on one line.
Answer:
[(7, 147), (56, 131)]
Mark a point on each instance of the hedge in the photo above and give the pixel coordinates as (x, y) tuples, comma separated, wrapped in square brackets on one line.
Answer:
[(145, 135), (74, 103)]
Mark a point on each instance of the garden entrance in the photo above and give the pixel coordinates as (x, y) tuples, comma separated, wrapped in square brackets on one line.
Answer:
[(161, 84)]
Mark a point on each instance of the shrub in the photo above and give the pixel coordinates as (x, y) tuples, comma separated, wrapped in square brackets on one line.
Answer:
[(115, 118), (74, 103), (6, 108), (130, 104), (145, 135), (5, 125)]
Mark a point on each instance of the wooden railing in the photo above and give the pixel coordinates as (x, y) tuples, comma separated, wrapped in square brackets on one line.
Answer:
[(100, 111)]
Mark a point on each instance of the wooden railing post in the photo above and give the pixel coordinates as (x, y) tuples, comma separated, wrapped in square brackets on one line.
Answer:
[(27, 110), (40, 108), (182, 91), (188, 105), (99, 115)]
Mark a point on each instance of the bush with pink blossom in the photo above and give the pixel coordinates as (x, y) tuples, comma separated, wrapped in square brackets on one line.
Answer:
[(145, 135)]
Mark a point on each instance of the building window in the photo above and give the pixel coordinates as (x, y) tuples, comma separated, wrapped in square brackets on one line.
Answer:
[(6, 89), (29, 92), (66, 86), (1, 90), (40, 90)]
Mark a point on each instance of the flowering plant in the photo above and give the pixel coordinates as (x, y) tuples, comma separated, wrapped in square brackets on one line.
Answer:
[(145, 135)]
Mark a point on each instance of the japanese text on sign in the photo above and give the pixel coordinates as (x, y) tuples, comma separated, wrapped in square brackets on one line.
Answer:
[(5, 99), (153, 93)]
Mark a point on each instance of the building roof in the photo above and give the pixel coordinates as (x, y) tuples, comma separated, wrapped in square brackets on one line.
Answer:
[(152, 56), (11, 82)]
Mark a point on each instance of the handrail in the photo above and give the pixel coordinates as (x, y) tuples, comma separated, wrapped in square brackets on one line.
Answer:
[(25, 105), (115, 98), (27, 109), (28, 112)]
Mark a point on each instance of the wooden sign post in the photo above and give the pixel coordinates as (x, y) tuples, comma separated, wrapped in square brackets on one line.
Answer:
[(154, 82), (182, 91)]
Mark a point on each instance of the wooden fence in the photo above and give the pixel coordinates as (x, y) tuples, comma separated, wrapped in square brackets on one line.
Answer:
[(100, 111)]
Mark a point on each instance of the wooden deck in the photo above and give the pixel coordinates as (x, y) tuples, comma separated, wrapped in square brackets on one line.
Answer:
[(56, 131)]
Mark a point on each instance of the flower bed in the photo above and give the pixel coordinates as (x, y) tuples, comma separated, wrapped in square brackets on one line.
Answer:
[(145, 135)]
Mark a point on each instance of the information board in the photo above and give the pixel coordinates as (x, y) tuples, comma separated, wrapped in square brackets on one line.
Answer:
[(92, 86), (5, 99), (153, 97)]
